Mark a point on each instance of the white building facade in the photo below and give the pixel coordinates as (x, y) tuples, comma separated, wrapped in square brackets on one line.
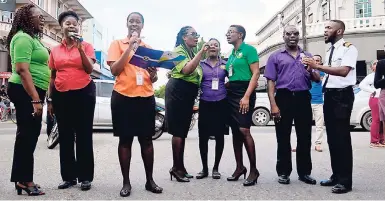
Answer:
[(53, 35), (364, 20)]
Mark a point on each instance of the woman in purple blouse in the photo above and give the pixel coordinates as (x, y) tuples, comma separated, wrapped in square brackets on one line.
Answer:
[(212, 108)]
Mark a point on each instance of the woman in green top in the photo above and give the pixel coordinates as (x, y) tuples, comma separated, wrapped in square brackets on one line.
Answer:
[(26, 89), (181, 92), (243, 71)]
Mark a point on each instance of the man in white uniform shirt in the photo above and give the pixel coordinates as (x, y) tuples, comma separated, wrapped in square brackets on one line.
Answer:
[(341, 58)]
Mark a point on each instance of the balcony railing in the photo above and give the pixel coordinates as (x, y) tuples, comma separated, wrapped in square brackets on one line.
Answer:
[(354, 25)]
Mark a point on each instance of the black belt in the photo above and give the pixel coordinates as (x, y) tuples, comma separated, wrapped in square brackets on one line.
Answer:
[(349, 88)]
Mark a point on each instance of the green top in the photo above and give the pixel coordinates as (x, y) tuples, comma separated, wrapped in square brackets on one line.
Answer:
[(195, 77), (25, 49), (240, 61)]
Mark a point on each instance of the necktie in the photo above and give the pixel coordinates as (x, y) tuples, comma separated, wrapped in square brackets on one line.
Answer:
[(329, 64)]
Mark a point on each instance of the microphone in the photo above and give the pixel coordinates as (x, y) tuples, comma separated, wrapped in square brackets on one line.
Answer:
[(75, 37), (302, 55)]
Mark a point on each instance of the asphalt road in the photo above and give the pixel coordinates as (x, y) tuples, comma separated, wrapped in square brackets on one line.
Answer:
[(368, 171)]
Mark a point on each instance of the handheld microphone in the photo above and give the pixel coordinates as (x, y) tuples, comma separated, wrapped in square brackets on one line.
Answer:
[(76, 37), (302, 55)]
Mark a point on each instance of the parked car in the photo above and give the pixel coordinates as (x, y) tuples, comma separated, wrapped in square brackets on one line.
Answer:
[(102, 114), (361, 115)]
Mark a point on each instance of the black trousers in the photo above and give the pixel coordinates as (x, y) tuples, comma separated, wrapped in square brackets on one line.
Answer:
[(294, 106), (27, 133), (74, 112), (338, 105)]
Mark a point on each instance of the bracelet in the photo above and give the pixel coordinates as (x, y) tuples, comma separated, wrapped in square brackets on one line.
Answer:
[(49, 100), (37, 102)]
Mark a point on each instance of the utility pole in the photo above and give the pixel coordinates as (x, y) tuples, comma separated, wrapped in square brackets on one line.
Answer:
[(304, 39)]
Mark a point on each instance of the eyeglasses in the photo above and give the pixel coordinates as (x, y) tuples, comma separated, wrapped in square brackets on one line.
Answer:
[(231, 32), (193, 34)]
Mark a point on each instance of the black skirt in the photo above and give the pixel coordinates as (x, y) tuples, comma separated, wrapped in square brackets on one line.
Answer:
[(213, 117), (132, 116), (180, 98), (235, 92)]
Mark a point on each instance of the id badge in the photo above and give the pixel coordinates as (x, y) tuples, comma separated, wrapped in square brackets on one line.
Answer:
[(230, 71), (215, 84), (139, 78)]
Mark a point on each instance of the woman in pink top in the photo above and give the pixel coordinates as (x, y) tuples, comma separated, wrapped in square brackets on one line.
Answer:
[(73, 99)]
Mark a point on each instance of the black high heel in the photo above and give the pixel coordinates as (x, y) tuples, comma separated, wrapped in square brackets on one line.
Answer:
[(236, 177), (202, 174), (173, 173), (30, 190), (251, 182)]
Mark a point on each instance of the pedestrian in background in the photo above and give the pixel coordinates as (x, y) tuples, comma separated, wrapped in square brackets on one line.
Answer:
[(317, 101), (72, 98), (133, 103), (367, 85), (27, 89)]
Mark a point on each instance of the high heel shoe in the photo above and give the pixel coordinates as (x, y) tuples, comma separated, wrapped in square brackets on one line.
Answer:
[(173, 173), (251, 182), (30, 190), (126, 191), (236, 177)]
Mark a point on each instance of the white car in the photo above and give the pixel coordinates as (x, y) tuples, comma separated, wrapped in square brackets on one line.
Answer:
[(361, 115), (102, 114)]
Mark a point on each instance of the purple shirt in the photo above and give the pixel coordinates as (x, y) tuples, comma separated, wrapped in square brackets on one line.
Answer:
[(209, 73), (288, 72)]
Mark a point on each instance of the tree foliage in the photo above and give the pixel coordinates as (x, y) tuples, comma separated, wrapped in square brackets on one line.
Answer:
[(160, 93)]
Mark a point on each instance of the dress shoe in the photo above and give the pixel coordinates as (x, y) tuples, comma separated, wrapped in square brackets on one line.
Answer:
[(284, 179), (329, 182), (307, 179), (339, 189), (85, 186), (67, 184)]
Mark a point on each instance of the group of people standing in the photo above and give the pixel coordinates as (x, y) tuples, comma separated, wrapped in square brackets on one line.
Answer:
[(62, 78)]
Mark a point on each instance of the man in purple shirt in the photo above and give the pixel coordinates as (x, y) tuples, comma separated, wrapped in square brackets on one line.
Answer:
[(291, 81)]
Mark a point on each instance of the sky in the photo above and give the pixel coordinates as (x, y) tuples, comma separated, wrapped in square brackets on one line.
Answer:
[(164, 18)]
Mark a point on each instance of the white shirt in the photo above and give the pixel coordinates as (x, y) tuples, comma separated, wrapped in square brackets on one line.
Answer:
[(342, 56), (367, 84)]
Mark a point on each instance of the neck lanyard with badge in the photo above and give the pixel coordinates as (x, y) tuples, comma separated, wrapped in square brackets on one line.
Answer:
[(231, 67), (215, 80)]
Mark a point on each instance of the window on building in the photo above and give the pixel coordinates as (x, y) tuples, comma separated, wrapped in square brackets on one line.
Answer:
[(325, 12), (52, 35), (363, 8), (310, 18), (40, 3), (59, 8)]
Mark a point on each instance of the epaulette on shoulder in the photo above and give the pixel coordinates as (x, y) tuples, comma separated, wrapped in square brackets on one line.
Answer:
[(347, 44)]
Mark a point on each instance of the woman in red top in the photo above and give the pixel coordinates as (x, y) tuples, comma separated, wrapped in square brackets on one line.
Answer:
[(73, 99)]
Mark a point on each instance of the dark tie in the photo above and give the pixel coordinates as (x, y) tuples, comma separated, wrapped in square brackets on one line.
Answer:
[(329, 64)]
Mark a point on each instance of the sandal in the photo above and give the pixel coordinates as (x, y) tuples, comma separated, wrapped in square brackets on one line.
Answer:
[(30, 190)]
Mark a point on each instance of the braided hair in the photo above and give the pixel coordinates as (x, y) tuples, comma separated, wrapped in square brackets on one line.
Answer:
[(23, 21), (179, 39)]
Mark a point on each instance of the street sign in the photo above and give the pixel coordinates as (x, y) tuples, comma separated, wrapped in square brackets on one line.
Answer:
[(8, 5)]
